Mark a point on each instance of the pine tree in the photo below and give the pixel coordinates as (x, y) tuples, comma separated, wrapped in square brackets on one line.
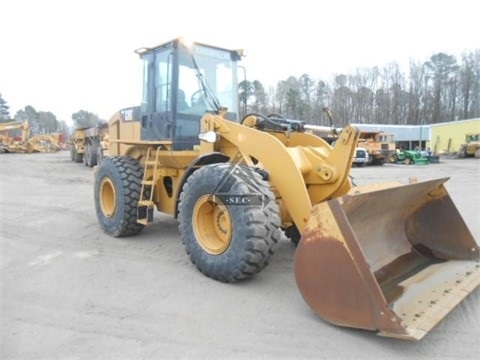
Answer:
[(4, 112)]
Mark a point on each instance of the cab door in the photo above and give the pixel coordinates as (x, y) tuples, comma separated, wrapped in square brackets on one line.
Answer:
[(157, 115)]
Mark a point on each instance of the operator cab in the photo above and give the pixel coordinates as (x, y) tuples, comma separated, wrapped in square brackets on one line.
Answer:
[(180, 84)]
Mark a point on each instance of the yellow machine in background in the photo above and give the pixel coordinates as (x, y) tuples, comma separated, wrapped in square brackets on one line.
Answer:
[(237, 187), (27, 144), (8, 144), (86, 144), (471, 146), (379, 145), (46, 142)]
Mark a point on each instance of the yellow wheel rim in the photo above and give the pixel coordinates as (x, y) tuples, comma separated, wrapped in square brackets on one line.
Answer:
[(212, 225), (108, 199)]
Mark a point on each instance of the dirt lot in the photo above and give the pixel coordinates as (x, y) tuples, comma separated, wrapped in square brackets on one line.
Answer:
[(71, 292)]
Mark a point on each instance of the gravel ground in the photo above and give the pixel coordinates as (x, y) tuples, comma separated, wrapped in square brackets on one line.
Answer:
[(71, 292)]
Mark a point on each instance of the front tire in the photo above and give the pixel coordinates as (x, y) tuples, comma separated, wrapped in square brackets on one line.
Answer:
[(86, 156), (99, 154), (117, 187), (227, 241)]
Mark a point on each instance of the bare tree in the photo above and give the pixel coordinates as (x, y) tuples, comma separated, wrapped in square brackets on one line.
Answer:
[(363, 85), (307, 88), (469, 84), (434, 91), (245, 89), (441, 68), (321, 99), (415, 92), (260, 103), (288, 97), (342, 100)]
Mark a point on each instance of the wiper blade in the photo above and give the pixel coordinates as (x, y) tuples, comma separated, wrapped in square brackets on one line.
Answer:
[(210, 96)]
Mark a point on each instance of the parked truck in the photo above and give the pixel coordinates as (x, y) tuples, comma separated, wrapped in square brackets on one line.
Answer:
[(361, 157), (86, 142), (379, 145)]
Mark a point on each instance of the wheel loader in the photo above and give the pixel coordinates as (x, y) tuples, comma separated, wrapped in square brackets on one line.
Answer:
[(239, 186), (471, 146)]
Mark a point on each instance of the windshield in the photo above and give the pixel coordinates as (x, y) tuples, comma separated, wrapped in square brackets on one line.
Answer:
[(208, 78)]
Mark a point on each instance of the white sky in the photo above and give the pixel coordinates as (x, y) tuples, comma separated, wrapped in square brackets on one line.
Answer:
[(69, 55)]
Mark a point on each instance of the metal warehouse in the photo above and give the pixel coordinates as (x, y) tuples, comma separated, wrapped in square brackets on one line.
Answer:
[(440, 138)]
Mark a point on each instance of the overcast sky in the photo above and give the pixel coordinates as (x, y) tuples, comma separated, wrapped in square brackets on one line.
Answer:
[(69, 55)]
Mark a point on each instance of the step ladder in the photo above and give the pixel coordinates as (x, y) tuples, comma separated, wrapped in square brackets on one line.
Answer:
[(146, 205)]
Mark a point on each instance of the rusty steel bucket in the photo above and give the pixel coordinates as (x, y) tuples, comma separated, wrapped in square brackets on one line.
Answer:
[(395, 260)]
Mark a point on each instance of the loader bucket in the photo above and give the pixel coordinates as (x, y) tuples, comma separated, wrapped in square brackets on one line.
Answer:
[(395, 260)]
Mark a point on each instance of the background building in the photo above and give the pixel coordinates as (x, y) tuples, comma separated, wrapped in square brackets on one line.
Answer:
[(440, 138)]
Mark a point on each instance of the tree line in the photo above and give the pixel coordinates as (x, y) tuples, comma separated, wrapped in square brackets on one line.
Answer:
[(45, 122), (441, 89)]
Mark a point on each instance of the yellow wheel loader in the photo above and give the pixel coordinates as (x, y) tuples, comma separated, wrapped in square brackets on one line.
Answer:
[(238, 186)]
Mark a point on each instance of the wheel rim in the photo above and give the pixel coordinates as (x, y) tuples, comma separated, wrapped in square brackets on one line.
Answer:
[(108, 198), (212, 225)]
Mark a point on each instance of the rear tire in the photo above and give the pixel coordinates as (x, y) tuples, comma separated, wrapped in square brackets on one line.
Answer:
[(228, 242), (78, 157), (117, 187), (90, 156)]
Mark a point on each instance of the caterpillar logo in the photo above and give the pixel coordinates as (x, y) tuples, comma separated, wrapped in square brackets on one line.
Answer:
[(127, 114)]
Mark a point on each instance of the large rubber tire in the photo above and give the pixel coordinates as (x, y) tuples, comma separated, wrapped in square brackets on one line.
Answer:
[(86, 155), (117, 186), (90, 155), (78, 157), (99, 155), (228, 242)]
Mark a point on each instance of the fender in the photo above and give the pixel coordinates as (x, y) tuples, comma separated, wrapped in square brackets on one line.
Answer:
[(206, 159)]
